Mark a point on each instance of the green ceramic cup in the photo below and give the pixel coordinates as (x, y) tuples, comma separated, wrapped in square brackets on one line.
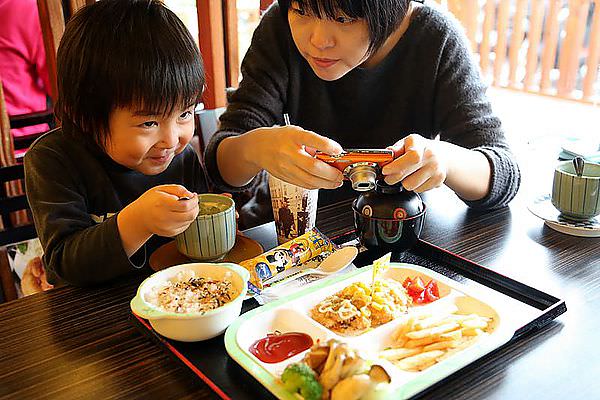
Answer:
[(577, 197), (212, 234)]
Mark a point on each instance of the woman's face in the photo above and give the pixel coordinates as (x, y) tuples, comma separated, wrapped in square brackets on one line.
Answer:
[(332, 47)]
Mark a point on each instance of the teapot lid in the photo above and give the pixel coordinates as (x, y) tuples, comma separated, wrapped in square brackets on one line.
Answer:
[(381, 186), (389, 202)]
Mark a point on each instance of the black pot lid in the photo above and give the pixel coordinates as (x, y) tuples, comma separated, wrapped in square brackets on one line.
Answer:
[(389, 202)]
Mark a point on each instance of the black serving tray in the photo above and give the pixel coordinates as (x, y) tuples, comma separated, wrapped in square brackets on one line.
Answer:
[(210, 362)]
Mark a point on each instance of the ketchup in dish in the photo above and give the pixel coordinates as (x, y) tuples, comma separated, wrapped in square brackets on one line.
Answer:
[(278, 346)]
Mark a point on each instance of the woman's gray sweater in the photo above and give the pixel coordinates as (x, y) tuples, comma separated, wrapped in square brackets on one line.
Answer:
[(428, 84)]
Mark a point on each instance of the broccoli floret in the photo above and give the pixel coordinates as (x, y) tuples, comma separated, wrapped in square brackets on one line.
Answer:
[(301, 378)]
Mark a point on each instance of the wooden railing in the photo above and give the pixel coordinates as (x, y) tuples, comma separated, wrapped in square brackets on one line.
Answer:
[(550, 47)]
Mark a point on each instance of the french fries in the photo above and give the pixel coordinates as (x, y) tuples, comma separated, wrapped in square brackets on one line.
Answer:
[(435, 331), (399, 354), (420, 361), (422, 341)]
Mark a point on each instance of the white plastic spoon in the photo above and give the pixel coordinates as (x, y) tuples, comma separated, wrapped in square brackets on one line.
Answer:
[(336, 261)]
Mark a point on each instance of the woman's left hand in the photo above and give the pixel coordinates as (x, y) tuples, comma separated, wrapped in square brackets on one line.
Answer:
[(420, 164)]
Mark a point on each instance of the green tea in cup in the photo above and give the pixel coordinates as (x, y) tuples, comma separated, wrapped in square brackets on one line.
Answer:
[(212, 234), (577, 197)]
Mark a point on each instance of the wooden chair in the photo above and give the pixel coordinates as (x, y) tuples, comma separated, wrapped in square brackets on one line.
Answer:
[(16, 224), (13, 232), (21, 143), (7, 151)]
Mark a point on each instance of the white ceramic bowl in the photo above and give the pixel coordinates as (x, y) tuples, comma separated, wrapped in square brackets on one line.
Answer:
[(194, 326)]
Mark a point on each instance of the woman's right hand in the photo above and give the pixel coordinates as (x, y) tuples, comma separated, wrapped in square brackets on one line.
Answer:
[(287, 152)]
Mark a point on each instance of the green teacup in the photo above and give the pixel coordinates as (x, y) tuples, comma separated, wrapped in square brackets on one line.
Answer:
[(577, 197), (212, 234)]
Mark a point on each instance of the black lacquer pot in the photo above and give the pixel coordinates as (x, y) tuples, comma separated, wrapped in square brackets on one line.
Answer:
[(389, 217)]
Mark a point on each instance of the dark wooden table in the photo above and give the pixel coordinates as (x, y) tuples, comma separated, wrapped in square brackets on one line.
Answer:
[(79, 343)]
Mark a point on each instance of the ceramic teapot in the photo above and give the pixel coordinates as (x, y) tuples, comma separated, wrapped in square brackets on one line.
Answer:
[(389, 217)]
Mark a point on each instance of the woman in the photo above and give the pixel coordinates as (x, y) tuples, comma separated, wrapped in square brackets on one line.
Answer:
[(363, 74)]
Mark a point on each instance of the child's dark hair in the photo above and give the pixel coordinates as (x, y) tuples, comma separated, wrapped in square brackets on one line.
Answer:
[(125, 53), (382, 16)]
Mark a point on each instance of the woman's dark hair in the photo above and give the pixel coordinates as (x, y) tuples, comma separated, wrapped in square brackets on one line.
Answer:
[(383, 17), (125, 53)]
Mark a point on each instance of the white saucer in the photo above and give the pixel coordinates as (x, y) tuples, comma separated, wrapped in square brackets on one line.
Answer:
[(542, 207), (586, 148)]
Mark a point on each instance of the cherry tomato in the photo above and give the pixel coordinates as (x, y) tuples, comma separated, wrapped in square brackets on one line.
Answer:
[(421, 293), (432, 292)]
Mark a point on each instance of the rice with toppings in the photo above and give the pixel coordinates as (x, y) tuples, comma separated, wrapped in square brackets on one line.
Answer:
[(188, 293)]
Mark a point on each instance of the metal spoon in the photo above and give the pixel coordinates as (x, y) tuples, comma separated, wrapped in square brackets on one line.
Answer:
[(579, 164)]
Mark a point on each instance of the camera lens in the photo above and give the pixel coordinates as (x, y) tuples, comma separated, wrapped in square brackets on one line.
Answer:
[(362, 177)]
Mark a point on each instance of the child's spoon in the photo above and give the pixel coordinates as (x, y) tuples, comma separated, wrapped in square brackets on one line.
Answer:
[(182, 198), (337, 261)]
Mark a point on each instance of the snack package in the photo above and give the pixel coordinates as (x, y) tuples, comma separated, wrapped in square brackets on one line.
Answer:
[(294, 253)]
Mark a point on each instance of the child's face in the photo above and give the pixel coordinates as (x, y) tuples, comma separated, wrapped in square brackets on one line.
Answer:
[(332, 48), (148, 143)]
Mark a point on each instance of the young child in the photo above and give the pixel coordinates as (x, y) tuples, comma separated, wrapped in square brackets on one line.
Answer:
[(109, 184), (363, 74)]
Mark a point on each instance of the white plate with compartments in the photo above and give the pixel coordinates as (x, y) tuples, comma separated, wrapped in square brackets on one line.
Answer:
[(291, 314)]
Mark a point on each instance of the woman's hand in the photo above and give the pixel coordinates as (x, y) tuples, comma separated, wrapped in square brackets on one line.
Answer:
[(420, 164), (287, 152)]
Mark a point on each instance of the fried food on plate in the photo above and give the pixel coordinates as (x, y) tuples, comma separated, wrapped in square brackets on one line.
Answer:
[(422, 341), (358, 307)]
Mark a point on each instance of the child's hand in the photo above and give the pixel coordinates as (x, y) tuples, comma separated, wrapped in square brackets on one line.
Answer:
[(162, 213), (159, 211), (287, 153), (420, 164)]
